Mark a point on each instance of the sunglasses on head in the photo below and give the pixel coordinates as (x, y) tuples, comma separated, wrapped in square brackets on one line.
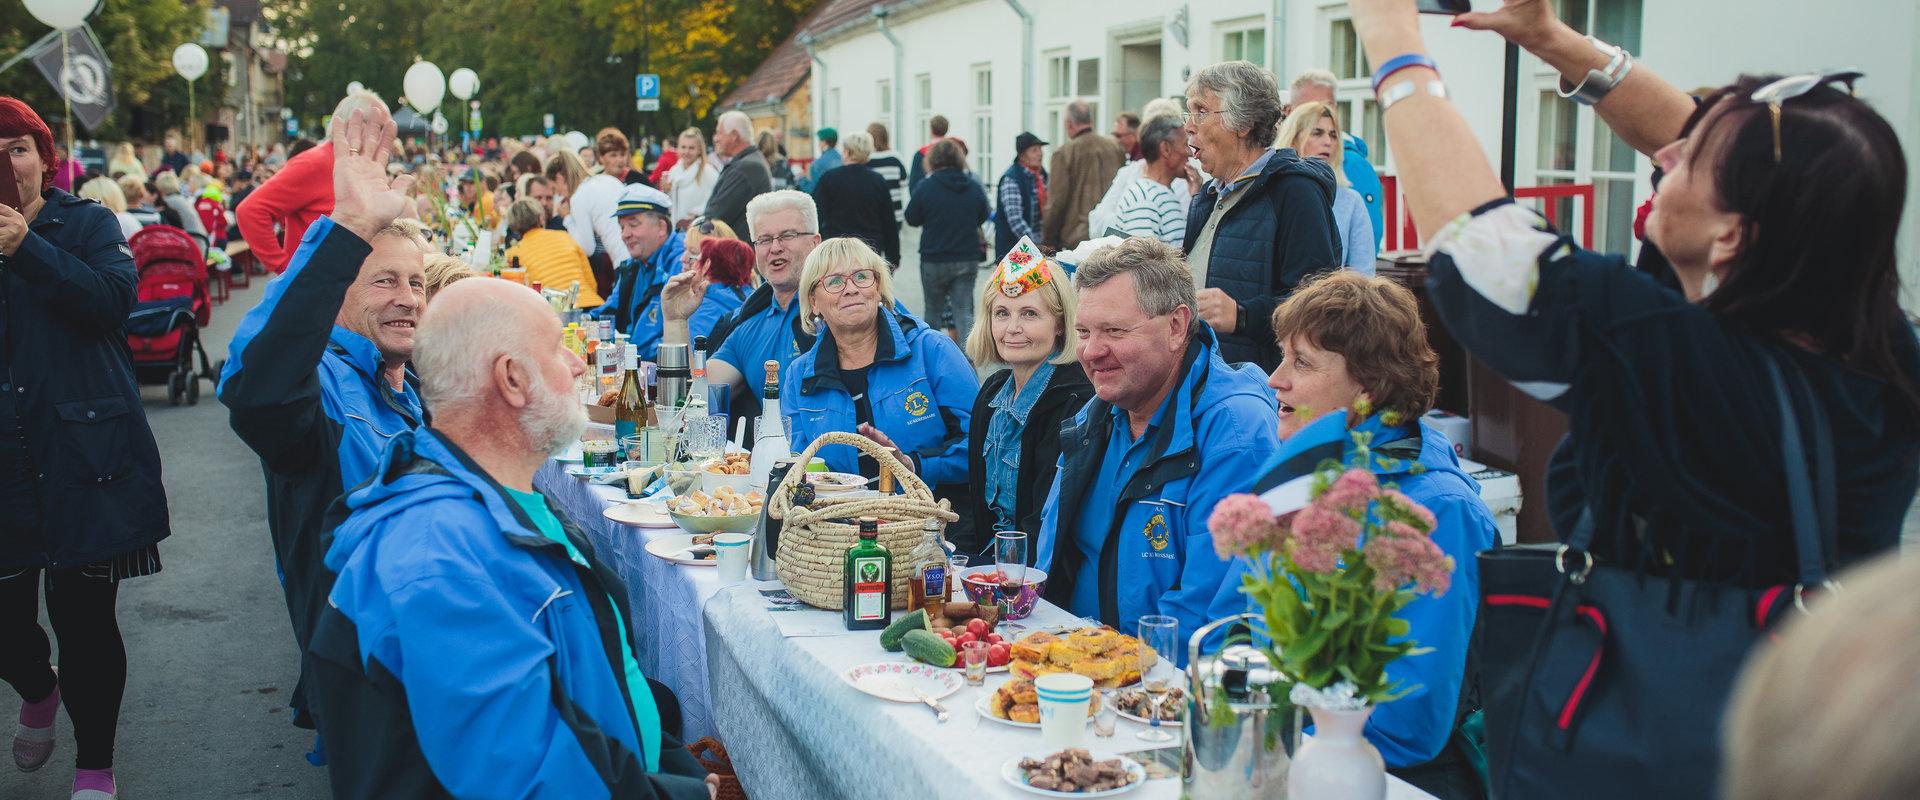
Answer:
[(1774, 94), (703, 225)]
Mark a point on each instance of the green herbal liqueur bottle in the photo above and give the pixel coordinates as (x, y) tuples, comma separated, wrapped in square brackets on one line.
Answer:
[(867, 593)]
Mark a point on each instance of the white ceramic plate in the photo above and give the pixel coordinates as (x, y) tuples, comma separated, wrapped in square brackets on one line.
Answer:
[(639, 515), (674, 548), (1136, 688), (592, 472), (984, 707), (836, 481), (897, 680), (572, 455), (1012, 773)]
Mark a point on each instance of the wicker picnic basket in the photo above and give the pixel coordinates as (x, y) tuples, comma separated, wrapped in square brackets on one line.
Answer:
[(814, 539)]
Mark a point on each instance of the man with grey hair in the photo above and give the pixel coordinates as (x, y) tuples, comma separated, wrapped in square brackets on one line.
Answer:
[(745, 176), (1077, 177), (316, 378), (1149, 207), (473, 642), (1318, 85), (1264, 223), (783, 227), (1171, 430)]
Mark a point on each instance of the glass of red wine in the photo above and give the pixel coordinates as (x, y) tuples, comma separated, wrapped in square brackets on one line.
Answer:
[(1010, 561)]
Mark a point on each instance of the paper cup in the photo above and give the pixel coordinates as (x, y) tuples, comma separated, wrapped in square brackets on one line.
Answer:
[(1063, 708), (731, 549)]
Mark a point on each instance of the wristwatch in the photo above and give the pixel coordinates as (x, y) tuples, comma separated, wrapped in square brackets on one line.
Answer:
[(1599, 82)]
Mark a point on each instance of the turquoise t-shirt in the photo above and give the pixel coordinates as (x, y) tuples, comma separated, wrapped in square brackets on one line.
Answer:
[(644, 710)]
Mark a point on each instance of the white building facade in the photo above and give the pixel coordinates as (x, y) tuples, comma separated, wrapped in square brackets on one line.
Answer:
[(997, 67)]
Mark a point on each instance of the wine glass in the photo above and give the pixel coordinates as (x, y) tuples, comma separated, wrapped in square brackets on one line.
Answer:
[(1161, 634), (1010, 560)]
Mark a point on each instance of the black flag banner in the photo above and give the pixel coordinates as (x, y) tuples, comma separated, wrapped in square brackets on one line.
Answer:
[(86, 77)]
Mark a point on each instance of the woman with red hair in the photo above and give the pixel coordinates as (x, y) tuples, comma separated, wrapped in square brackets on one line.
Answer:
[(727, 264), (80, 491)]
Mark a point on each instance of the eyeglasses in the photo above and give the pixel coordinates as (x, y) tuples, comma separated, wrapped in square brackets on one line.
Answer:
[(837, 283), (1193, 117), (1778, 92), (785, 238)]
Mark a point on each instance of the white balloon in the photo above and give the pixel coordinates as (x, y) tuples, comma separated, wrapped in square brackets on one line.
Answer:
[(61, 14), (577, 140), (190, 60), (425, 85), (355, 87), (439, 123), (463, 83)]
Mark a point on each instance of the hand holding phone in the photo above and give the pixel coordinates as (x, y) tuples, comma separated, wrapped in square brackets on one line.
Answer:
[(1448, 7), (9, 184)]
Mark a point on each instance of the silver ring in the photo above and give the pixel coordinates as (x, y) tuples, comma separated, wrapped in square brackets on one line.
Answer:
[(353, 151)]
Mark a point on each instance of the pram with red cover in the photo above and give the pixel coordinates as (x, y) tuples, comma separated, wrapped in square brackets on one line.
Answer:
[(171, 306)]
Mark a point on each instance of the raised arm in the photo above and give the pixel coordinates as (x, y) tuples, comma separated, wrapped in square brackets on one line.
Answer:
[(1644, 110)]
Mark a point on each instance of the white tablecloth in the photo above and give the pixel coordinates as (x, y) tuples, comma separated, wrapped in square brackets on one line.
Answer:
[(795, 730), (665, 598)]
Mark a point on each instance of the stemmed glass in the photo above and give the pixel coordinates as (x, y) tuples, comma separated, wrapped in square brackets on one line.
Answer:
[(1161, 634), (1010, 559)]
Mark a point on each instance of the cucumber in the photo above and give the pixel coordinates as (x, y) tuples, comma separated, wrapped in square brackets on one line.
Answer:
[(927, 646), (890, 638)]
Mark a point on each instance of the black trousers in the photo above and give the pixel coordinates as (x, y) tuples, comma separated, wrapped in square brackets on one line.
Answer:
[(93, 661)]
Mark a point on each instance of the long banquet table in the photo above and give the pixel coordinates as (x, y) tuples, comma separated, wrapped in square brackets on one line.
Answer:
[(768, 683)]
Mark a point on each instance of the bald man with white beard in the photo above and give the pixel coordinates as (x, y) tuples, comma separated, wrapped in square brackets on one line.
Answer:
[(469, 641)]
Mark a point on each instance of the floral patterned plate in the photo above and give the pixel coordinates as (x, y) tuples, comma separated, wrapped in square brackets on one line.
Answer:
[(899, 680)]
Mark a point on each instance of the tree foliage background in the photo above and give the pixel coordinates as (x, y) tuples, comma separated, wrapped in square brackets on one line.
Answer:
[(575, 59), (139, 37)]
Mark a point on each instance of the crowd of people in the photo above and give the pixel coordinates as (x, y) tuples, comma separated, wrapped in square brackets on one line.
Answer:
[(1115, 336)]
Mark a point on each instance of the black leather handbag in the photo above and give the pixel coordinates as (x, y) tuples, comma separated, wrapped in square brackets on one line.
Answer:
[(1598, 684)]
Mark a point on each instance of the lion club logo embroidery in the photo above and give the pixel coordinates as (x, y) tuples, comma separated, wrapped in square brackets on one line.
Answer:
[(1156, 531), (917, 404)]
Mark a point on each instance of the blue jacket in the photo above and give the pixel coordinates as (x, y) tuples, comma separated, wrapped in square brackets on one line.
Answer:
[(635, 302), (1220, 425), (464, 654), (719, 301), (951, 207), (307, 396), (921, 389), (1362, 177), (64, 298), (1412, 729), (1268, 243)]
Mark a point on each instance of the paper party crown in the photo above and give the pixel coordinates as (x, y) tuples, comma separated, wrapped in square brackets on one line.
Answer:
[(1023, 270)]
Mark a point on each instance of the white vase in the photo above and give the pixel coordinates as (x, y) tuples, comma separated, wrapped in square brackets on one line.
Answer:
[(1338, 763)]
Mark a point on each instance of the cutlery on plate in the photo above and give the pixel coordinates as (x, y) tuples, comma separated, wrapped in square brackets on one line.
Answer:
[(939, 711)]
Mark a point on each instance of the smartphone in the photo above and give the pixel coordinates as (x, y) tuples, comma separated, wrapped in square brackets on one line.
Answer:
[(9, 187), (1448, 7)]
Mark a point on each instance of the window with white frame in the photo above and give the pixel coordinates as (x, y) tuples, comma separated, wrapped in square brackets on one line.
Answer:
[(885, 88), (1344, 55), (983, 164), (1353, 91), (1059, 75), (922, 105), (1571, 143), (1244, 40)]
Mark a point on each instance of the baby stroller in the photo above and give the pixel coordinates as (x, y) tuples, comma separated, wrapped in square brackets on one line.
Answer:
[(171, 305)]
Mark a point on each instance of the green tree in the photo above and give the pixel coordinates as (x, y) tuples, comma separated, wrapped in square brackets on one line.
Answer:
[(139, 37)]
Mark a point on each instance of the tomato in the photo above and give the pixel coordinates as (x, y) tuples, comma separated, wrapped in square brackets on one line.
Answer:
[(979, 628), (994, 638), (999, 655), (967, 638)]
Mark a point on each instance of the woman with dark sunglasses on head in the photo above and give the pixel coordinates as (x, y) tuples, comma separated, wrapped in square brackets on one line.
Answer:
[(1779, 209), (727, 265)]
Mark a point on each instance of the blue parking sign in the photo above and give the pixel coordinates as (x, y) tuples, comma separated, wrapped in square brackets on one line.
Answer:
[(646, 86)]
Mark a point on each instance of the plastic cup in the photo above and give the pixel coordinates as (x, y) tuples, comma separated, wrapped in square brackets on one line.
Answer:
[(731, 550), (1063, 709), (957, 565), (598, 453), (974, 656)]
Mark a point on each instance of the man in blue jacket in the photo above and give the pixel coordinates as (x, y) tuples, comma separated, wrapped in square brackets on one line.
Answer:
[(646, 228), (473, 645), (316, 379), (1172, 429)]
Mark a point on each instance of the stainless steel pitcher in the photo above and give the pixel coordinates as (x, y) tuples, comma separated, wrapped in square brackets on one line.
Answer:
[(1237, 745)]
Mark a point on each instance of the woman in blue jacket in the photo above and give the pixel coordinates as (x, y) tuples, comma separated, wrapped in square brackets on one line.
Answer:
[(1346, 337), (880, 372), (727, 264)]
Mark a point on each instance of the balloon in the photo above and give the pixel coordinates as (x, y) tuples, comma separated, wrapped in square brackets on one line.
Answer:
[(425, 85), (355, 87), (577, 140), (463, 83), (190, 60), (61, 14), (439, 123)]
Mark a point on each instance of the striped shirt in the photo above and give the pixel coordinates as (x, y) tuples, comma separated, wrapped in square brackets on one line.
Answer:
[(1150, 209), (887, 163)]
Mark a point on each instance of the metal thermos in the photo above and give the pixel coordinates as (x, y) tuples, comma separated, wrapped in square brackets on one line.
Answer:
[(766, 534), (675, 376), (1229, 751)]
